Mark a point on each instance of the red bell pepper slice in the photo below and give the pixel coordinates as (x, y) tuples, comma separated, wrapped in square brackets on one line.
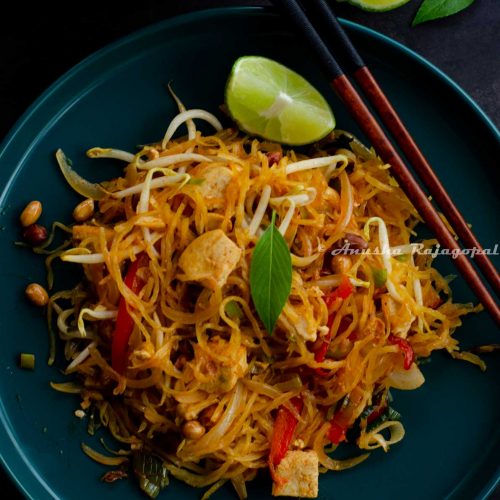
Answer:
[(339, 424), (320, 352), (124, 321), (343, 291), (336, 432), (406, 348), (345, 417), (284, 428)]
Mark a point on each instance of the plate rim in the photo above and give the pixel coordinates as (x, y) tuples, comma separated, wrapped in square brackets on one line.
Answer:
[(21, 126)]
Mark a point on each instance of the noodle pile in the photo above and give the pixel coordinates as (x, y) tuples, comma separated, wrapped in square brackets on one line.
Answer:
[(198, 350)]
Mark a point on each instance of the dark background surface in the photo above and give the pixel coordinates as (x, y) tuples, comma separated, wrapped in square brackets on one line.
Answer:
[(41, 41)]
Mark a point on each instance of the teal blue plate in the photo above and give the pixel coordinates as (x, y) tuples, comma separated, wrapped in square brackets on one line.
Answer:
[(117, 97)]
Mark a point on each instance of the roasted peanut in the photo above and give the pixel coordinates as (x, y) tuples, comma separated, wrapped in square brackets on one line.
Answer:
[(193, 429), (37, 294), (84, 210), (35, 234), (341, 264), (31, 213), (152, 154)]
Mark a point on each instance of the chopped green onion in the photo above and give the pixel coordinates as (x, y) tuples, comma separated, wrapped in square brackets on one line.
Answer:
[(423, 361), (403, 257), (331, 412), (367, 411), (380, 277), (392, 414), (233, 310), (93, 423), (389, 414), (27, 361), (196, 181), (151, 472)]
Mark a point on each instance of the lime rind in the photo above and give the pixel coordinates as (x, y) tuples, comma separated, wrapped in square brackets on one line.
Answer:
[(377, 5), (272, 101)]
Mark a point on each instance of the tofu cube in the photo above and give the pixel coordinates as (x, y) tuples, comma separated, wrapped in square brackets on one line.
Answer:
[(210, 259), (213, 189), (299, 471)]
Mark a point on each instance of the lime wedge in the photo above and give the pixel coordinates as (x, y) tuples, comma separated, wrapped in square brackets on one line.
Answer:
[(270, 100), (377, 5)]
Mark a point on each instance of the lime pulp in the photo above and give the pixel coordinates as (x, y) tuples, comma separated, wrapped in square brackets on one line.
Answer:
[(272, 101)]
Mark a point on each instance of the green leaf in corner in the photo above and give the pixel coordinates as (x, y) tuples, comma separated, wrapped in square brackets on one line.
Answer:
[(270, 275), (435, 9)]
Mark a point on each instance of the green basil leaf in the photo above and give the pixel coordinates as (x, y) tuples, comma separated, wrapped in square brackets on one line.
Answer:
[(270, 275), (435, 9)]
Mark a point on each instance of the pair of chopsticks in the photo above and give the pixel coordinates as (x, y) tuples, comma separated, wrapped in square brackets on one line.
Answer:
[(333, 35)]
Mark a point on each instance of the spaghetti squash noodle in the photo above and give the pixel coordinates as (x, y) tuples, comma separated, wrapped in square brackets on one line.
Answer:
[(169, 352)]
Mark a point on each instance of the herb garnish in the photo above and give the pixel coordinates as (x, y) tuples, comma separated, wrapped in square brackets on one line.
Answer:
[(435, 9), (428, 11), (270, 275), (151, 473)]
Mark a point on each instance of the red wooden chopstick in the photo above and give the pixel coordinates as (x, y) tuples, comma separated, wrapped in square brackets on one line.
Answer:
[(390, 118), (388, 153)]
